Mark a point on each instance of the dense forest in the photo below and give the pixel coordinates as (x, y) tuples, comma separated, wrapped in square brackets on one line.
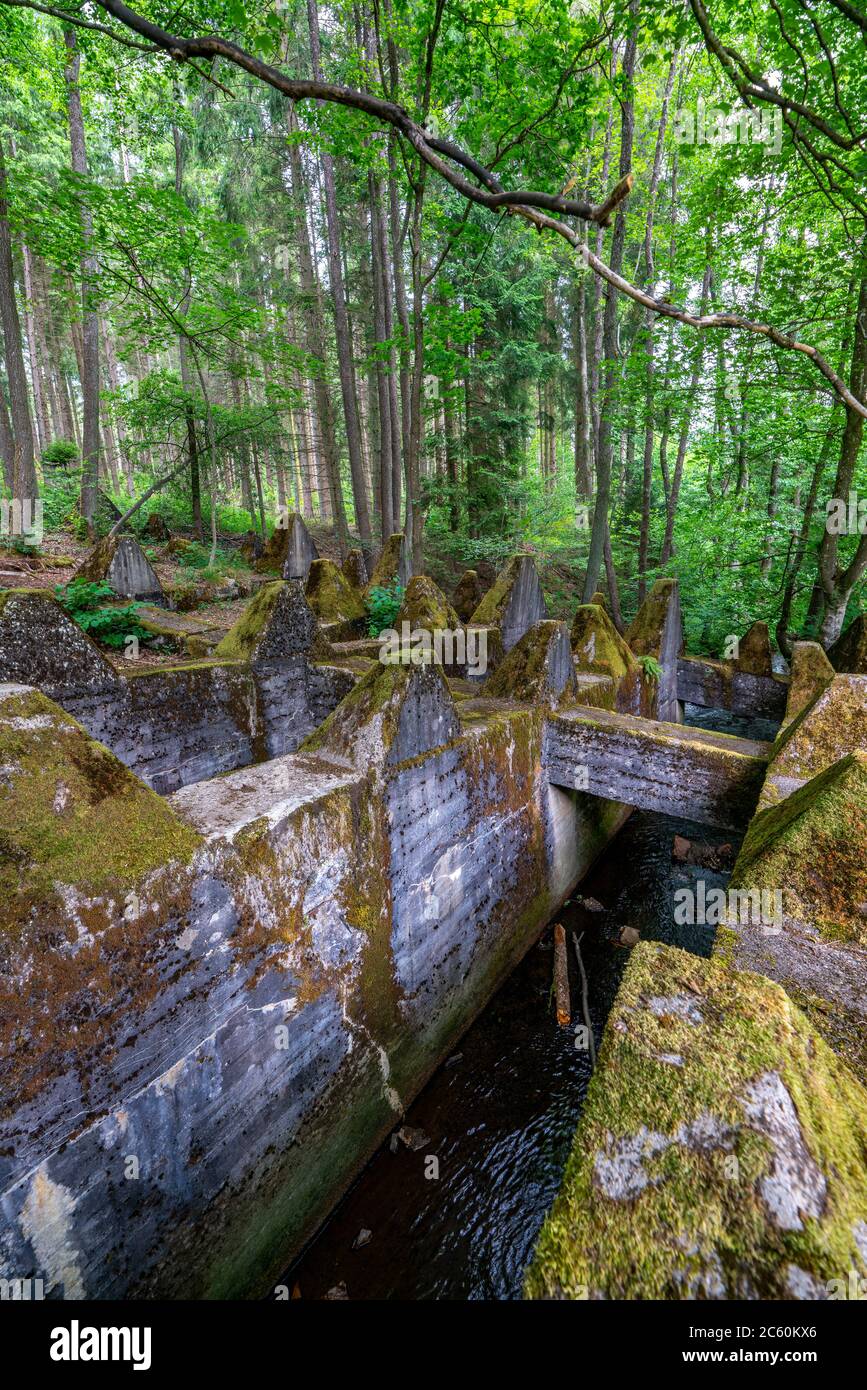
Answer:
[(585, 278)]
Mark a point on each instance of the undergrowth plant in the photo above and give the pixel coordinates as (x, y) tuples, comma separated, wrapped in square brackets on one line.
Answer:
[(383, 605), (85, 602)]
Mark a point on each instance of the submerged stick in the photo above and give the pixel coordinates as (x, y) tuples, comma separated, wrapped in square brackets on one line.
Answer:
[(585, 1003), (561, 978)]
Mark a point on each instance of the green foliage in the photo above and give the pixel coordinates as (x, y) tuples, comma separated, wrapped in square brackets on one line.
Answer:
[(60, 499), (383, 605), (110, 626), (650, 667), (63, 452)]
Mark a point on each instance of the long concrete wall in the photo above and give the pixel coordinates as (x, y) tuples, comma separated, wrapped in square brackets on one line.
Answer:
[(198, 1058)]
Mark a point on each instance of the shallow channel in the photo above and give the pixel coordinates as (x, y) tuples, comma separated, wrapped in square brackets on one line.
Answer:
[(500, 1114)]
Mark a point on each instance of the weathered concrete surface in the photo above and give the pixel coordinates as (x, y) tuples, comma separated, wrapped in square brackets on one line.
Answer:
[(514, 603), (121, 562), (300, 549), (539, 669), (41, 645), (849, 652), (707, 777), (216, 1086), (600, 650), (337, 605), (811, 673), (468, 594), (176, 725), (355, 570), (657, 631), (720, 1153), (833, 724), (754, 652), (396, 711), (808, 845), (720, 685), (393, 565)]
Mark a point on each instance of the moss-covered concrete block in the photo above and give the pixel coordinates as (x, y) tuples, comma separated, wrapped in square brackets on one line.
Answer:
[(277, 625), (121, 562), (849, 652), (71, 813), (426, 606), (812, 846), (599, 648), (396, 711), (721, 1154), (393, 565), (657, 631), (41, 645), (355, 569), (825, 730), (337, 605), (811, 673), (539, 669), (514, 602), (754, 651), (468, 594)]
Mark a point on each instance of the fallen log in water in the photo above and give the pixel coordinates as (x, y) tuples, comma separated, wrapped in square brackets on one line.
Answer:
[(561, 978)]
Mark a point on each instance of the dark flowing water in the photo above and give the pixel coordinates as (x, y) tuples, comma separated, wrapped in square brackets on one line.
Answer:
[(500, 1115)]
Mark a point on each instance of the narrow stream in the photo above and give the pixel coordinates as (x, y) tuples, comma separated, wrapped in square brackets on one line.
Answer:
[(500, 1114)]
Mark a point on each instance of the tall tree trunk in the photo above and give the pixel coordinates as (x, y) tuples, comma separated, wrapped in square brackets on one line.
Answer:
[(40, 410), (649, 318), (837, 581), (609, 335), (314, 341), (341, 320), (24, 486), (89, 307)]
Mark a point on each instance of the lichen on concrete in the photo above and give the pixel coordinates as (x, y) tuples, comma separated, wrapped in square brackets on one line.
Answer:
[(333, 599), (426, 607), (600, 649), (811, 673), (737, 1171), (539, 668), (277, 624), (71, 813)]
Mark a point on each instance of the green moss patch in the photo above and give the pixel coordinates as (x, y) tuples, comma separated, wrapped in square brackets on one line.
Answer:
[(813, 847), (71, 812), (426, 606), (722, 1152), (811, 673), (331, 596)]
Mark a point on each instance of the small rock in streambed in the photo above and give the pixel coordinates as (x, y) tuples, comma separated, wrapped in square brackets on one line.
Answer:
[(454, 1059), (338, 1293), (590, 904), (363, 1238), (414, 1139), (628, 936), (717, 857)]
